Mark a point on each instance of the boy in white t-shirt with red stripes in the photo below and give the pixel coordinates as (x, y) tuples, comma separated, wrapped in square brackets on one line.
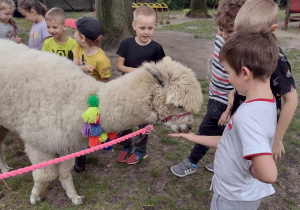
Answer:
[(244, 166)]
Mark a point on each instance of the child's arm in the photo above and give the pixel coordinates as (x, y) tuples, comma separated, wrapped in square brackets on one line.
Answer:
[(225, 117), (290, 102), (264, 168), (121, 67), (209, 141)]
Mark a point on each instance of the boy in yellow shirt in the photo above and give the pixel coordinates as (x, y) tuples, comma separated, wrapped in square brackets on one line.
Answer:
[(60, 43), (91, 59), (87, 54)]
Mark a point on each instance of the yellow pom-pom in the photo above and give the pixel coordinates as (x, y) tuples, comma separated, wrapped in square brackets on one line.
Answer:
[(103, 137), (91, 115)]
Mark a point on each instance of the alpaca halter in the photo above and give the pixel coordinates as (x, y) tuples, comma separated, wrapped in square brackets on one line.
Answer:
[(172, 117), (91, 128)]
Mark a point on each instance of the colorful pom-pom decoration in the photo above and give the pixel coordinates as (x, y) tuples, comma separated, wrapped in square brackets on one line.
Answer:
[(91, 115), (103, 137), (93, 101), (92, 128), (112, 136), (96, 130), (94, 141), (86, 130)]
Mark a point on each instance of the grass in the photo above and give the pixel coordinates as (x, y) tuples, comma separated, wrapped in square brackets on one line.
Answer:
[(203, 28)]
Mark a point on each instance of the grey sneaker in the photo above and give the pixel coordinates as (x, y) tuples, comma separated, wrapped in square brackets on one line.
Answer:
[(210, 167), (184, 168)]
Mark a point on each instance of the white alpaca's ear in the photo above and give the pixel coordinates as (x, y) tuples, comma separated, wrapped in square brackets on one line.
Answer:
[(153, 71)]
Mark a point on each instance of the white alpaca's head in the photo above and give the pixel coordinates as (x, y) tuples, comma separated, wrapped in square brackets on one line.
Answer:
[(178, 93)]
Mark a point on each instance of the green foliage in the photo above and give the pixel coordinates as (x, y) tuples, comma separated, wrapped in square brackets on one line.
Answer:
[(212, 3), (186, 11), (176, 4)]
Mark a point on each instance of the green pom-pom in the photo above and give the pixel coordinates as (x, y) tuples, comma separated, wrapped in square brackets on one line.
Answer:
[(93, 101), (91, 115), (103, 137)]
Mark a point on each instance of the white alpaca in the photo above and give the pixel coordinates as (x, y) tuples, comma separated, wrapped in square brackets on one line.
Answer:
[(42, 98)]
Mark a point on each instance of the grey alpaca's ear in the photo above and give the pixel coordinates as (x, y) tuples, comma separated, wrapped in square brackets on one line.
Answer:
[(153, 71)]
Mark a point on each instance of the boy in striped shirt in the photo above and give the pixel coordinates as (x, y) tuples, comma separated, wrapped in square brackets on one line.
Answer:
[(219, 89)]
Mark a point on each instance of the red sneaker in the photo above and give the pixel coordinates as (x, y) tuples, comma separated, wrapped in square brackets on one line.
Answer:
[(124, 155), (135, 157)]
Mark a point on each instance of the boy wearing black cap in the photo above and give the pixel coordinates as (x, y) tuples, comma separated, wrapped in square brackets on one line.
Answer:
[(87, 54), (91, 59)]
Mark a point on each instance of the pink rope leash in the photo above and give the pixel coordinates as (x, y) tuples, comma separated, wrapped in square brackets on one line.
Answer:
[(27, 169)]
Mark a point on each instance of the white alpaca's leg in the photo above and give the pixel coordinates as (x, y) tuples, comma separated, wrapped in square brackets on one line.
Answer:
[(3, 166), (66, 180), (41, 177)]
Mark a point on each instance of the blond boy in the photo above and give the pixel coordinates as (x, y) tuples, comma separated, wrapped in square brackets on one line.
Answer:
[(244, 167), (263, 14), (87, 53), (60, 43), (132, 53)]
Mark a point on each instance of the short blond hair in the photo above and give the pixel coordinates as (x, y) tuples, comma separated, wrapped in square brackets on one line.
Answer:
[(258, 13), (226, 13), (56, 14), (143, 10)]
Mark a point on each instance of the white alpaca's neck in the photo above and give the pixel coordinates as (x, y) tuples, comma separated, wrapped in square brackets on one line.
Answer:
[(126, 102)]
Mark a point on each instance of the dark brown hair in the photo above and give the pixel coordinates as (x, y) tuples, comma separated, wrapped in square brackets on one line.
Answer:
[(27, 5), (253, 48), (226, 13)]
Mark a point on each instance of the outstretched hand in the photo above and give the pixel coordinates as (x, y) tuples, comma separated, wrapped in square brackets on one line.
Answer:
[(187, 136)]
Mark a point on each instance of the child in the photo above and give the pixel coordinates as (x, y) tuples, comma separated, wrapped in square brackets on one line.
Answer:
[(8, 28), (87, 54), (261, 13), (244, 167), (91, 59), (60, 43), (34, 11), (219, 89), (132, 53)]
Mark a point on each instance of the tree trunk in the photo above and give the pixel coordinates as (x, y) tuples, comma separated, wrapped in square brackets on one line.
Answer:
[(198, 8), (116, 18)]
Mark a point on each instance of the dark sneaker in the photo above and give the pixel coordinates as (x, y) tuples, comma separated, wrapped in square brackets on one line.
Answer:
[(80, 164), (135, 157), (124, 155), (210, 167), (184, 168)]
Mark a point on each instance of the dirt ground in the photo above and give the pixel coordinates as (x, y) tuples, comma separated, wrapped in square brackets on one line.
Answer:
[(196, 54)]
